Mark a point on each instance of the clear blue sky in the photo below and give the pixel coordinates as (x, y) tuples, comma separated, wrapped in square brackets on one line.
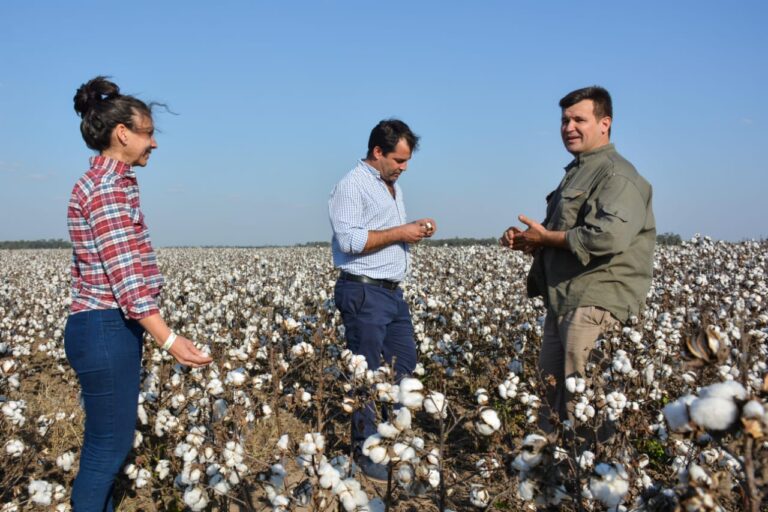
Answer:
[(275, 101)]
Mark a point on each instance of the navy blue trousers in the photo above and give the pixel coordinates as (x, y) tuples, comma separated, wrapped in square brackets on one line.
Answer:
[(104, 348), (378, 325)]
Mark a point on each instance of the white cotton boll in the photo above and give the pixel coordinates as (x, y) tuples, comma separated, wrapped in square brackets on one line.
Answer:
[(370, 442), (348, 404), (526, 490), (611, 485), (728, 390), (236, 377), (405, 474), (142, 478), (488, 422), (419, 370), (357, 366), (282, 443), (214, 387), (433, 478), (586, 459), (526, 460), (163, 468), (131, 471), (306, 397), (378, 454), (196, 498), (196, 435), (402, 420), (753, 409), (65, 461), (697, 474), (479, 496), (409, 393), (676, 414), (713, 413), (40, 492), (434, 404), (481, 395), (329, 476), (386, 392), (14, 448), (142, 413), (59, 492), (433, 457), (648, 374), (403, 452), (219, 485), (388, 430)]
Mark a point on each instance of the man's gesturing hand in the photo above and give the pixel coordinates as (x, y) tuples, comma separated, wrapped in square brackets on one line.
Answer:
[(415, 231), (532, 238)]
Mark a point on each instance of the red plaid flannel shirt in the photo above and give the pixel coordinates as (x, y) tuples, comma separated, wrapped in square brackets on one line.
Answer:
[(113, 263)]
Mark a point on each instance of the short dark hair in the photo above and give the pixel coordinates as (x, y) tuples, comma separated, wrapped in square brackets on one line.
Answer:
[(601, 99), (388, 133), (101, 106)]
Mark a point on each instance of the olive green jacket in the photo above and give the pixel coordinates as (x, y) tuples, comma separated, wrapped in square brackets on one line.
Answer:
[(604, 206)]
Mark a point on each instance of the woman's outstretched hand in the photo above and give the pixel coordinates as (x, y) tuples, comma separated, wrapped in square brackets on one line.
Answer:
[(187, 354)]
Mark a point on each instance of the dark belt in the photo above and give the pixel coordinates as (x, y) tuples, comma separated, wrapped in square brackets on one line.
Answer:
[(384, 283)]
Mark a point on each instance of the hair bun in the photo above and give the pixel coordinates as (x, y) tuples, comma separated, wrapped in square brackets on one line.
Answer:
[(93, 93)]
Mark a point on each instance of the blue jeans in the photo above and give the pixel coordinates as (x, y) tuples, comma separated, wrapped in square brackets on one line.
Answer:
[(104, 348), (378, 325)]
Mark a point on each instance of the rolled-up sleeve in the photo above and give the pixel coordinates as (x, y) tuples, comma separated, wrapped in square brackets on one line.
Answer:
[(112, 222), (346, 211), (614, 218)]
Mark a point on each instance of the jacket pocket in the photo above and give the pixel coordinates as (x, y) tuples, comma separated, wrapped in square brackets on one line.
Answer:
[(571, 201), (614, 211)]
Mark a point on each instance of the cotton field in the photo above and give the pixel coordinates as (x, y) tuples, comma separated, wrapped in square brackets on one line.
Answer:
[(682, 390)]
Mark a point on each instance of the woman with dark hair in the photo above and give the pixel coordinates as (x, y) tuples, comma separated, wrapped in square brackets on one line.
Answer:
[(115, 286)]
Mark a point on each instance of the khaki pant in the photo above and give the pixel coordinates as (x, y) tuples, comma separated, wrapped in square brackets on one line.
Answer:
[(565, 349)]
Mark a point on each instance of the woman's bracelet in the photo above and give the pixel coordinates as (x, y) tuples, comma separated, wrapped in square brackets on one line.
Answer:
[(169, 342)]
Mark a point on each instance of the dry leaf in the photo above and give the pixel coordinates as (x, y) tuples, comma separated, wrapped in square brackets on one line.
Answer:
[(752, 427)]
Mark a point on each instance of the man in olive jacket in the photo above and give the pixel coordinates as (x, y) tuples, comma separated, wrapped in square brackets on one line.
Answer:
[(593, 254)]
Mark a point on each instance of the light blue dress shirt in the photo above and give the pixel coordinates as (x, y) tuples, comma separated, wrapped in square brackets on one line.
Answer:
[(359, 203)]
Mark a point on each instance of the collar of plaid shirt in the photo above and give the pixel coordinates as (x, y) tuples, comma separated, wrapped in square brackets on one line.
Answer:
[(105, 162)]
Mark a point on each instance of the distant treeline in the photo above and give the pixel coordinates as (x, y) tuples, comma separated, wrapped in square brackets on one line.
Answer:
[(35, 244), (668, 239), (662, 239)]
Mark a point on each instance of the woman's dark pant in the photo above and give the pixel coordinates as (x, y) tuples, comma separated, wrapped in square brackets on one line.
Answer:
[(104, 348), (377, 325)]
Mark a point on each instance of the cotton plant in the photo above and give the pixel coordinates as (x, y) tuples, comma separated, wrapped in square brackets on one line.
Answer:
[(609, 485), (539, 479)]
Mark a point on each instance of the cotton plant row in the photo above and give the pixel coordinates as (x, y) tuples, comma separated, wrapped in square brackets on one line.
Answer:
[(259, 313)]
